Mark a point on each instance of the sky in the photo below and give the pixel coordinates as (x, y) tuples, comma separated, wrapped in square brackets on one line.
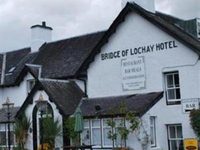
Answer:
[(70, 18)]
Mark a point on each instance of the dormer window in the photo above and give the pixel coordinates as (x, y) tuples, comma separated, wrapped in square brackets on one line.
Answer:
[(30, 85), (198, 28)]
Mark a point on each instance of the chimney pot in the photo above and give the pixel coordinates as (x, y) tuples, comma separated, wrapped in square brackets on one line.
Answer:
[(44, 24)]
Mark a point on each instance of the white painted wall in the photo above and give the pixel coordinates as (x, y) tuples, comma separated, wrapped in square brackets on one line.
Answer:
[(105, 79), (16, 94), (104, 76)]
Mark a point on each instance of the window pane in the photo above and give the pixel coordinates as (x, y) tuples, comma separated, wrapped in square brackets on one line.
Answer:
[(179, 132), (176, 78), (96, 123), (86, 136), (86, 123), (173, 145), (178, 95), (12, 138), (106, 140), (172, 132), (2, 138), (169, 81), (96, 136), (180, 145), (152, 131), (171, 94), (152, 137), (105, 122)]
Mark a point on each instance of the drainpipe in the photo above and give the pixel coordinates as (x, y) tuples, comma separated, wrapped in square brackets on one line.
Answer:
[(3, 69)]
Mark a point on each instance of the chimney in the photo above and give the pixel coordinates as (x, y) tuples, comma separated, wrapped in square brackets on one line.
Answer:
[(149, 5), (39, 35)]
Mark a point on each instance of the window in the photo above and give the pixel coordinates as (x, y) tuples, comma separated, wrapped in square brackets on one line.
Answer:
[(172, 87), (4, 135), (198, 29), (153, 130), (96, 133), (30, 85), (175, 137)]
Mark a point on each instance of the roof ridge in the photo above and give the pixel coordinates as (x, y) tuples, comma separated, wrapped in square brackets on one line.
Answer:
[(16, 50), (74, 37)]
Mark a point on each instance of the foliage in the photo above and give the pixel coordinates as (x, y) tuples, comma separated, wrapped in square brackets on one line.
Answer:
[(111, 135), (21, 128), (195, 121), (51, 130), (121, 130), (69, 125)]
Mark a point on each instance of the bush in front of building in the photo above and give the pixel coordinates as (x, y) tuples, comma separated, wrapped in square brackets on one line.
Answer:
[(121, 129), (69, 125), (195, 121), (21, 127), (51, 130)]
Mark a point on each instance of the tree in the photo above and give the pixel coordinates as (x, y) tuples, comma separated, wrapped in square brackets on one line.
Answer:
[(51, 130), (21, 127), (195, 121), (69, 126), (121, 130)]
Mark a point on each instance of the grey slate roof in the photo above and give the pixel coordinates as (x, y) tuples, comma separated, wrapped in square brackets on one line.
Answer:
[(62, 59), (14, 57), (3, 114), (168, 18), (139, 103), (12, 79), (189, 26), (66, 96)]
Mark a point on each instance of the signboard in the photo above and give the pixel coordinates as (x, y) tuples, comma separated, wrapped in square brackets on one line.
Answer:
[(133, 73), (189, 104), (190, 144)]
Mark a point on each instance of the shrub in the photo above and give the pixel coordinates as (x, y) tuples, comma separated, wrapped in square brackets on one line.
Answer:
[(195, 121)]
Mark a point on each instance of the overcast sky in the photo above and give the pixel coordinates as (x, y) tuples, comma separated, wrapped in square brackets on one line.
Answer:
[(71, 17)]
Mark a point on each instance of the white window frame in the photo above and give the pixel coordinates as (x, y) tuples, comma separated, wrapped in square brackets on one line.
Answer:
[(29, 86), (174, 87), (153, 131), (176, 138)]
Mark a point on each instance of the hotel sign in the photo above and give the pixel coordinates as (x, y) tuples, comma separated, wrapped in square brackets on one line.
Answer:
[(133, 73), (141, 50)]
